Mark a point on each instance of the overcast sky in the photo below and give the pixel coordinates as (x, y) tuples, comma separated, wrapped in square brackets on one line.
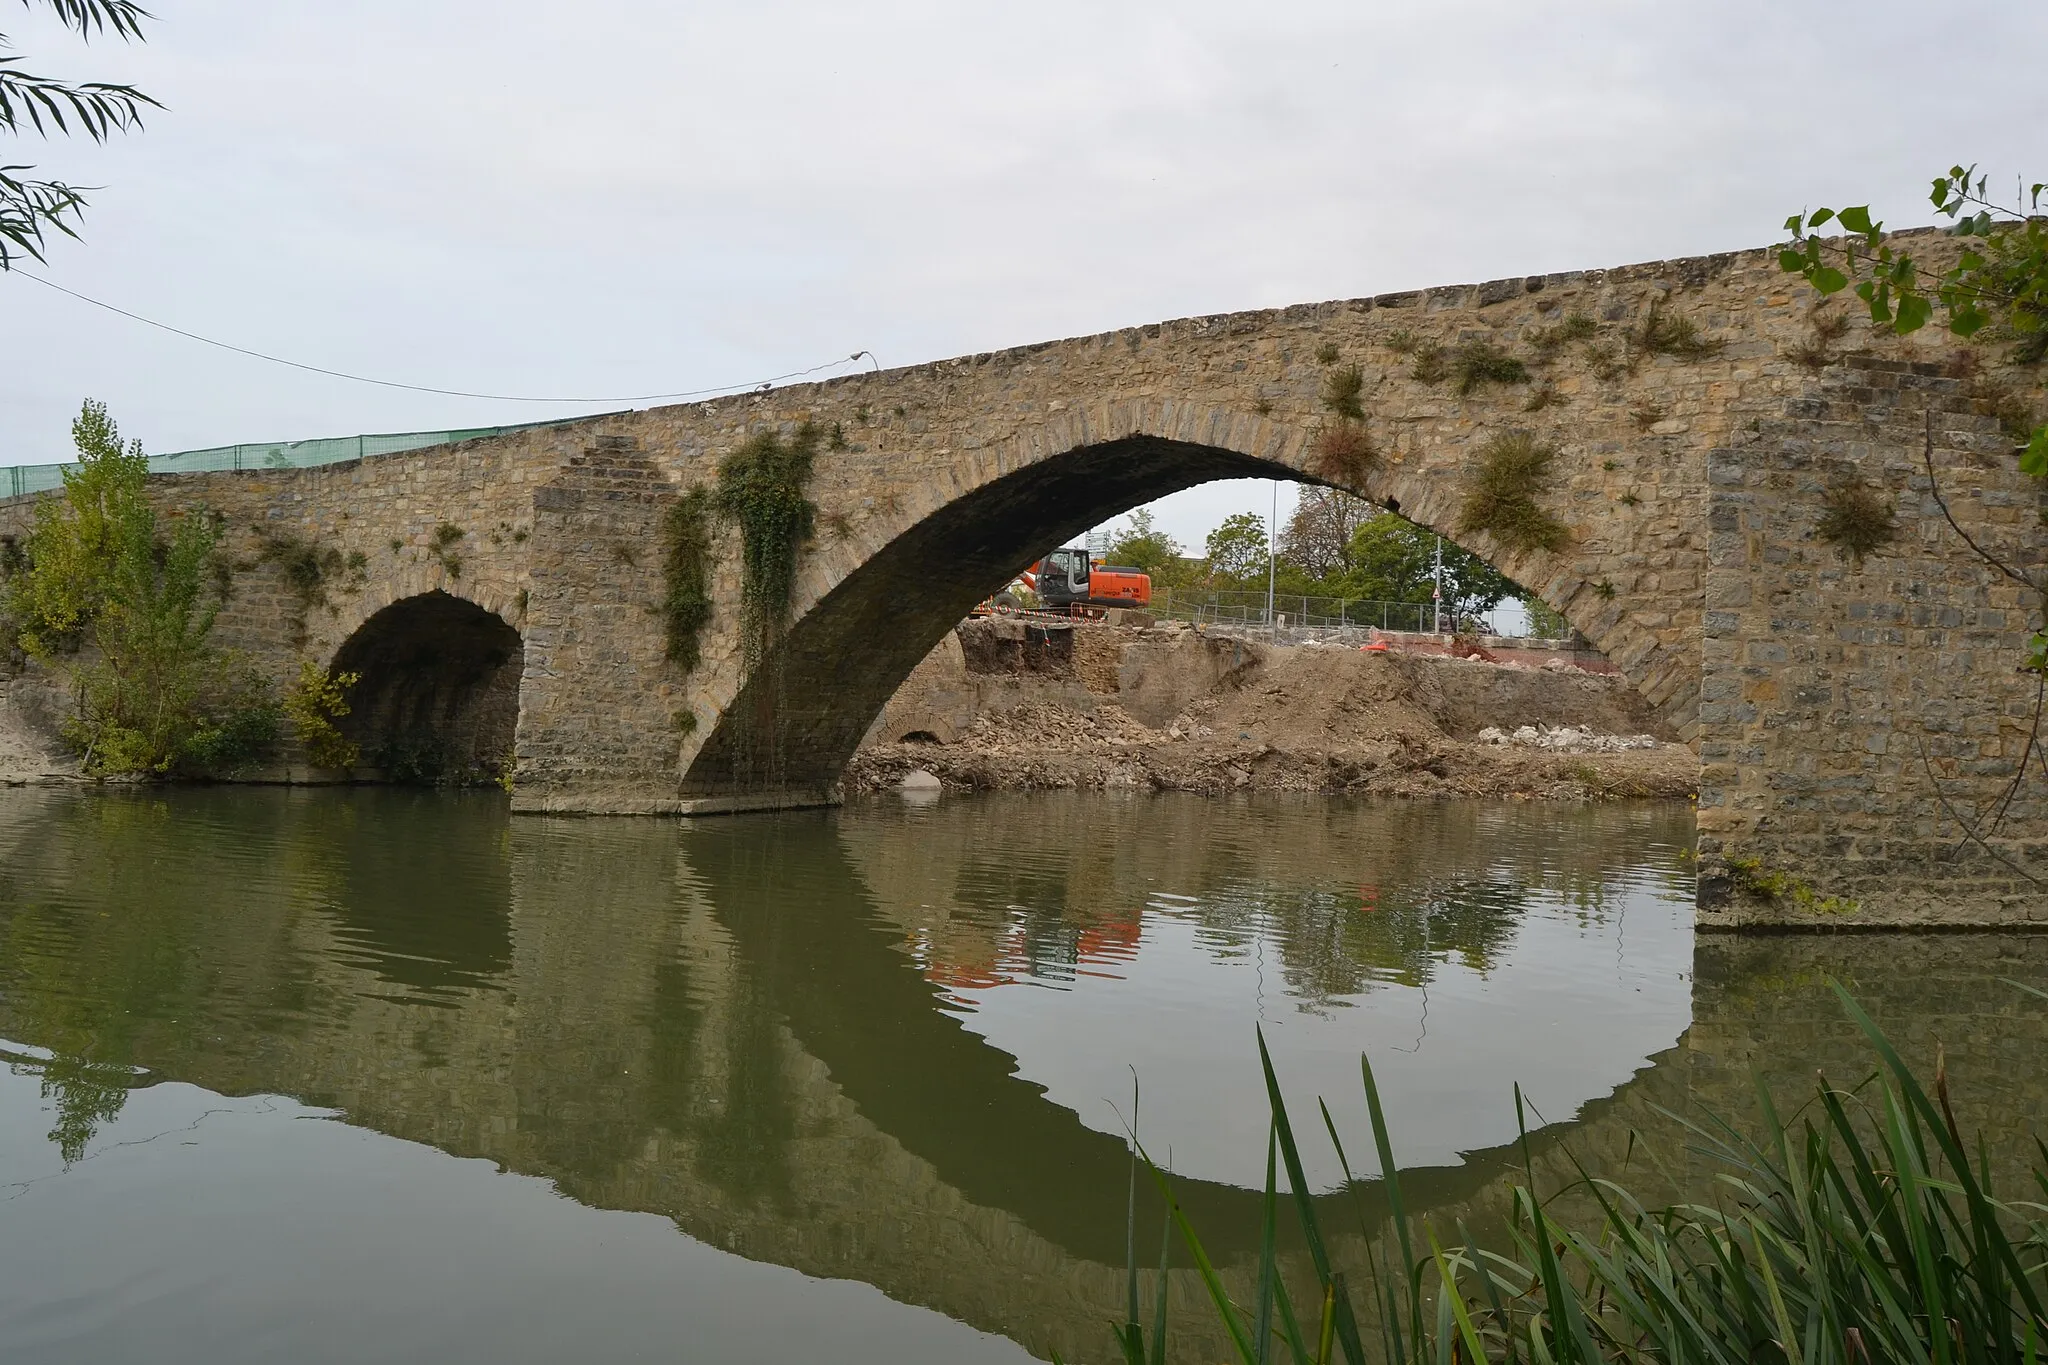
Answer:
[(618, 197)]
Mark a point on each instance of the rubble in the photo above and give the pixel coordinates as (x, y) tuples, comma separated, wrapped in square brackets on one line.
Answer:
[(1566, 739), (1231, 716)]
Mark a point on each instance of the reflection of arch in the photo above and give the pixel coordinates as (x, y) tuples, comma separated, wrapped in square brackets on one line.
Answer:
[(797, 719), (438, 698), (793, 904)]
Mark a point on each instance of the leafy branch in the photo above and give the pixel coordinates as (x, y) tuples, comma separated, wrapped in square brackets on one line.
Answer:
[(1998, 281), (29, 208)]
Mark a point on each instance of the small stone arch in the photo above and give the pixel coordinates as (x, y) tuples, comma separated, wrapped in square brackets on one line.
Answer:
[(437, 700)]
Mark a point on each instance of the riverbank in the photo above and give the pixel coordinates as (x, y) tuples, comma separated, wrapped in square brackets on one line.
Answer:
[(1005, 706), (1001, 705)]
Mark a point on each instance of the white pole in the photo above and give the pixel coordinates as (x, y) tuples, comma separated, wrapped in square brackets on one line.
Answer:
[(1272, 536), (1437, 591)]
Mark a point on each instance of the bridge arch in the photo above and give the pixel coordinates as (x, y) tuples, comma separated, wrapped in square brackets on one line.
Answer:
[(437, 699), (793, 723)]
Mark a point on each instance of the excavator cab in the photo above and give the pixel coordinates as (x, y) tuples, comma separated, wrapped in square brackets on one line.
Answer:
[(1063, 577)]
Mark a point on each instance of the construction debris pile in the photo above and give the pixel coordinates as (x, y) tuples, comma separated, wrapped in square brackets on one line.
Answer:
[(1569, 739), (1168, 708)]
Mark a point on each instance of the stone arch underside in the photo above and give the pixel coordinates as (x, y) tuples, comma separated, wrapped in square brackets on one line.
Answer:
[(797, 720), (438, 695)]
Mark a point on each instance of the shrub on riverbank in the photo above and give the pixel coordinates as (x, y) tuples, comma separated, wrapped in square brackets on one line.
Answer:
[(125, 608), (1865, 1231)]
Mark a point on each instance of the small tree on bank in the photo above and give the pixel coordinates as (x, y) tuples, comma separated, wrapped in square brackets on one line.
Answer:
[(127, 613)]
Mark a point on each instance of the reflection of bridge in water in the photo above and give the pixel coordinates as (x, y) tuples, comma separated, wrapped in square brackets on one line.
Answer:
[(721, 1024)]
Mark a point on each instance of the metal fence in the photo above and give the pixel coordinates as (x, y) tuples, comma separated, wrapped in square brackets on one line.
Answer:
[(1291, 611), (36, 478)]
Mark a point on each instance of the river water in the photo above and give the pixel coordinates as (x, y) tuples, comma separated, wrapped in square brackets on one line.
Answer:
[(386, 1075)]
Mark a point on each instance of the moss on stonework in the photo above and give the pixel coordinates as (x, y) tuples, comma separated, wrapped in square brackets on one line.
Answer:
[(1775, 887), (308, 570)]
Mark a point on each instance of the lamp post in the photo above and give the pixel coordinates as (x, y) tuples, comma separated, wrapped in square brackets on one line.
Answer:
[(1436, 591), (1272, 536)]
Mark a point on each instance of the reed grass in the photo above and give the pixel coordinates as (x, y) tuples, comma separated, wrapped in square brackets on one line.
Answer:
[(1858, 1231)]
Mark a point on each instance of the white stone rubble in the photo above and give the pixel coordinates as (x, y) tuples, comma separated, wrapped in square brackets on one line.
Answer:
[(1565, 739)]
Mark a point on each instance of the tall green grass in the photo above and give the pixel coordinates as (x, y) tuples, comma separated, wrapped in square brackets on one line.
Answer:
[(1862, 1231)]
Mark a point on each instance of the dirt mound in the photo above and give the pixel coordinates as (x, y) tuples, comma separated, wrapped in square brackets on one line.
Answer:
[(1302, 719)]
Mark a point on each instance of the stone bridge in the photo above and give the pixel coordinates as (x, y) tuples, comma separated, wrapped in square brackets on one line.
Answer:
[(502, 595)]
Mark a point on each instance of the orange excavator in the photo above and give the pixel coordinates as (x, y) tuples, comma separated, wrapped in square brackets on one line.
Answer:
[(1069, 584)]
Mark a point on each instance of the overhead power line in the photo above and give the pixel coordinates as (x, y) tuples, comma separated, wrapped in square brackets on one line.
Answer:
[(869, 356)]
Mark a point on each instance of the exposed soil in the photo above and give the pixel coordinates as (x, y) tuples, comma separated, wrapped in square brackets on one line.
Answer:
[(30, 751), (1321, 719)]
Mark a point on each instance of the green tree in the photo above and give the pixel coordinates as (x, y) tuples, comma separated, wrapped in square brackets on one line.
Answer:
[(1142, 545), (1996, 288), (1545, 624), (1393, 560), (30, 208), (128, 613), (1237, 550)]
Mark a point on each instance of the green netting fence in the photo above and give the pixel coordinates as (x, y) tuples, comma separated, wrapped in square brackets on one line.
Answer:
[(36, 478)]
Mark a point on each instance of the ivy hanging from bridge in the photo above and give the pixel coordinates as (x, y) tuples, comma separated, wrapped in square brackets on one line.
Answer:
[(686, 575), (761, 488)]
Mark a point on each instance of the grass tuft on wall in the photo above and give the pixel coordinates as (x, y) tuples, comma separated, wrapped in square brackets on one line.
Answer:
[(1856, 520), (1548, 341), (1345, 454), (1674, 334), (1514, 470), (1343, 392), (1481, 362)]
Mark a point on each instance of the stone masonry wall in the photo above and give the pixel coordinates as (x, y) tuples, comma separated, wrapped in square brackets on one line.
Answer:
[(1855, 715)]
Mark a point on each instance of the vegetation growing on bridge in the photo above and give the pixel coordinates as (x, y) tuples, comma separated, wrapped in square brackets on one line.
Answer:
[(686, 576), (308, 570), (1481, 362), (1673, 334), (127, 609), (1858, 522), (1344, 452), (442, 547), (1343, 392), (1514, 471), (1548, 341), (1863, 1230), (761, 487)]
